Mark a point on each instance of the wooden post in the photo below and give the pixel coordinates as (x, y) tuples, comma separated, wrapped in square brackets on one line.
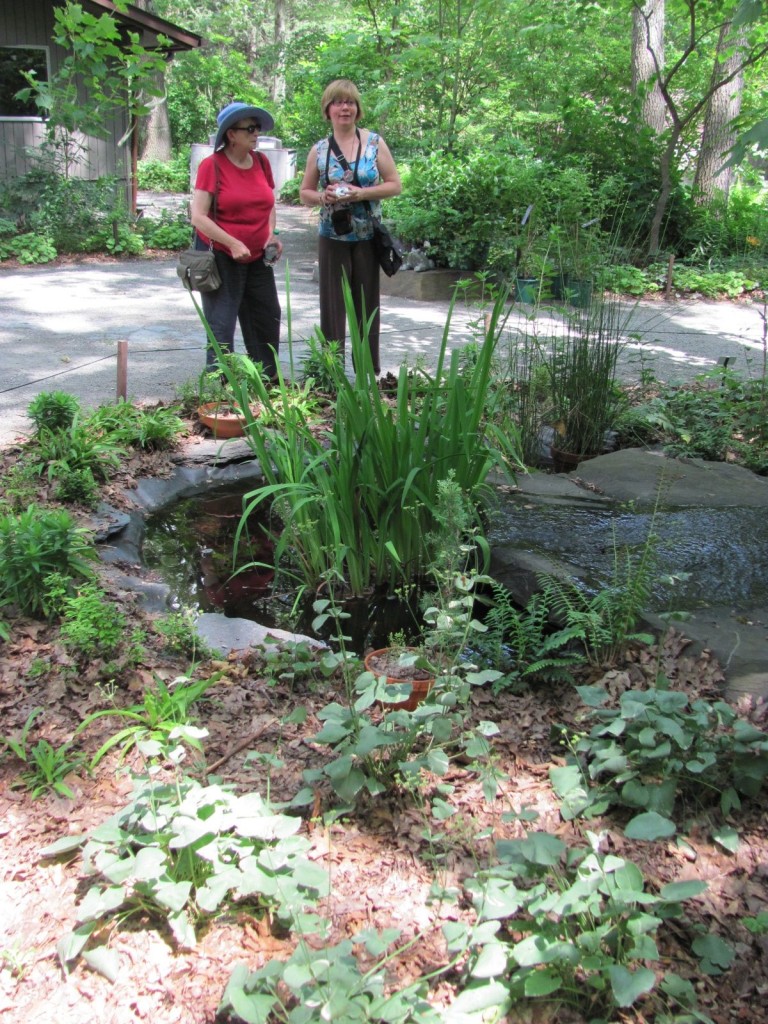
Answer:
[(487, 324), (670, 271), (122, 370)]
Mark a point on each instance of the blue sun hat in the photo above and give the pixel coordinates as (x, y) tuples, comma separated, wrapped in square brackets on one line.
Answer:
[(235, 112)]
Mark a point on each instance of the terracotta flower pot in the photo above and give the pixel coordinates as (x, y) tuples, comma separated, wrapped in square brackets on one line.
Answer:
[(386, 662), (564, 461), (222, 421)]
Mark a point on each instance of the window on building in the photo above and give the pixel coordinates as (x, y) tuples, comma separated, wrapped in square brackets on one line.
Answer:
[(14, 60)]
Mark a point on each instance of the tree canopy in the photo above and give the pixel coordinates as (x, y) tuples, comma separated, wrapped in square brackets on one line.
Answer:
[(568, 82)]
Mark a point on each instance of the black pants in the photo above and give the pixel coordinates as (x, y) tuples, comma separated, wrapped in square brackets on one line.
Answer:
[(356, 260), (248, 294)]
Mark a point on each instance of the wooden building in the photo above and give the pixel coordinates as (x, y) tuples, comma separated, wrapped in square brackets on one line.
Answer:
[(26, 41)]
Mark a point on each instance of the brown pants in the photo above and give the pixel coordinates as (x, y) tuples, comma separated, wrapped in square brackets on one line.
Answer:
[(357, 262)]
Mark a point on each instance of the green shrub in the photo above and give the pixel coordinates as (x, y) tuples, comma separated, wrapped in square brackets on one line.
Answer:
[(53, 410), (75, 485), (54, 213), (28, 248), (19, 486), (169, 232), (35, 545), (627, 280), (181, 852), (91, 626), (710, 283), (179, 630), (80, 215), (289, 191), (76, 452), (720, 416), (571, 926), (460, 205), (162, 176), (658, 747), (328, 984)]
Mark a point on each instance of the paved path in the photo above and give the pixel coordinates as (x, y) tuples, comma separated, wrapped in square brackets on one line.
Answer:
[(59, 328)]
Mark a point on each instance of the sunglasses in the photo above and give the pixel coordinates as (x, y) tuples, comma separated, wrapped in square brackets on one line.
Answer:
[(250, 128)]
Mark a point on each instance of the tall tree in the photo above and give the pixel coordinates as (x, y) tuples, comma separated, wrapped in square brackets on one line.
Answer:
[(279, 41), (702, 20), (155, 129), (648, 61), (722, 109)]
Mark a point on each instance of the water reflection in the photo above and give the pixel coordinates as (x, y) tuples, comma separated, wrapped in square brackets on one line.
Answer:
[(190, 546)]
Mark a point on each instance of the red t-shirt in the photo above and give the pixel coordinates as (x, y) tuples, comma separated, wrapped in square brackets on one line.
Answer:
[(244, 200)]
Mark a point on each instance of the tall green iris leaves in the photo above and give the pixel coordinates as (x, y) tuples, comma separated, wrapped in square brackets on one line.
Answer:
[(356, 499)]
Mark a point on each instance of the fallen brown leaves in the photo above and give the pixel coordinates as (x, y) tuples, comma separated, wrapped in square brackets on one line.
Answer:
[(381, 865)]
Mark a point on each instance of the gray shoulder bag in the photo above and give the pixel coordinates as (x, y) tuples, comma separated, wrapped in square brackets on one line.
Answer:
[(197, 267)]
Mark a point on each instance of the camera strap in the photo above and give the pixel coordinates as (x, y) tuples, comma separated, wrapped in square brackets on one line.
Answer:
[(334, 146)]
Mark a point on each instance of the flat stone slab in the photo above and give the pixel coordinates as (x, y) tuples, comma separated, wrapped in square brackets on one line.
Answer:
[(642, 477), (427, 285), (711, 525)]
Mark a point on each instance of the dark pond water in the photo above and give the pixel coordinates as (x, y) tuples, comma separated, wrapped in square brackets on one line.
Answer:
[(724, 551), (190, 544)]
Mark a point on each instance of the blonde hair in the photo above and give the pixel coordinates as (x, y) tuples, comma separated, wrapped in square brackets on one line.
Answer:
[(341, 89)]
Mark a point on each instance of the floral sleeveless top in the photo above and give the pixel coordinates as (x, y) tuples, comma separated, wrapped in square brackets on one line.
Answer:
[(367, 175)]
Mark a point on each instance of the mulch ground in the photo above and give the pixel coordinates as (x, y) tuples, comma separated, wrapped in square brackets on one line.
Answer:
[(380, 863)]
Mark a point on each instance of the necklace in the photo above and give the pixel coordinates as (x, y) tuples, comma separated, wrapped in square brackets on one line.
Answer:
[(350, 146)]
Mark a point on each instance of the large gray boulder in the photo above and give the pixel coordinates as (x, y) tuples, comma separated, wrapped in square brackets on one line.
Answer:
[(711, 522)]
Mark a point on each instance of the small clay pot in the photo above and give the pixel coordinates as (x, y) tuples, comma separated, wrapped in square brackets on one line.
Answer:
[(386, 662), (563, 461), (221, 421)]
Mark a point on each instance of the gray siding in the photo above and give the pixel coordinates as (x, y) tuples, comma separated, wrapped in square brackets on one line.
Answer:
[(30, 23)]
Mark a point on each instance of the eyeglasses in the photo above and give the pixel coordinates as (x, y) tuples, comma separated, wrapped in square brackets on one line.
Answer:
[(344, 103), (250, 128)]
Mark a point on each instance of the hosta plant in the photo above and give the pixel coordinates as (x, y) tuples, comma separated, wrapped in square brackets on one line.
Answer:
[(574, 926), (327, 985), (181, 851), (657, 747)]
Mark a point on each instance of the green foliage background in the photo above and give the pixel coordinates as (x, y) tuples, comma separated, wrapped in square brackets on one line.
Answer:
[(481, 101)]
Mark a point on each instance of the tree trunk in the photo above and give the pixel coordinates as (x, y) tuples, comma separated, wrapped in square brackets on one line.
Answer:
[(278, 81), (155, 133), (155, 128), (648, 60), (723, 106), (665, 191)]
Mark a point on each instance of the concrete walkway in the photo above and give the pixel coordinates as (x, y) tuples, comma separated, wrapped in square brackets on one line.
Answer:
[(60, 325)]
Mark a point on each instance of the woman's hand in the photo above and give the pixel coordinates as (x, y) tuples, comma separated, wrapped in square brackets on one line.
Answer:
[(239, 251), (275, 240), (340, 192)]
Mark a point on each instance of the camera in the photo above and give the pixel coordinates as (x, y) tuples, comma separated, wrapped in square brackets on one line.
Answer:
[(342, 221)]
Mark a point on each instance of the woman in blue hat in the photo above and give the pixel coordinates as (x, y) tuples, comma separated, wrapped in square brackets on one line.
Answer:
[(233, 209)]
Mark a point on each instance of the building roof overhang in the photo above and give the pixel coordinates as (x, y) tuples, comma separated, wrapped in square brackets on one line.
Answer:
[(149, 26)]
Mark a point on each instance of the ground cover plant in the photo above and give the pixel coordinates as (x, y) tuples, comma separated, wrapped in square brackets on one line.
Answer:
[(481, 873)]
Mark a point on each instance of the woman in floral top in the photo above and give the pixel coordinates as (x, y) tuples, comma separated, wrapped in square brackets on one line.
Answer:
[(346, 176)]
